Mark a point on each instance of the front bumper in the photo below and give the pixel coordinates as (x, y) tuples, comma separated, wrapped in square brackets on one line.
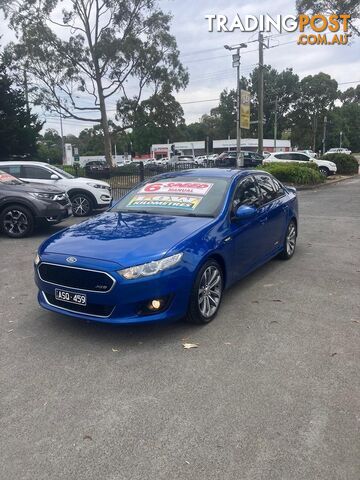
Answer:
[(55, 213), (124, 303)]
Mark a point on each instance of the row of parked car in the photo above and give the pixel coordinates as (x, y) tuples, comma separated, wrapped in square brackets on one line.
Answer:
[(34, 193)]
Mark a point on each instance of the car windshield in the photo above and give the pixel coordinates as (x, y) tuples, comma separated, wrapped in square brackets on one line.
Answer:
[(178, 195), (62, 172), (7, 179)]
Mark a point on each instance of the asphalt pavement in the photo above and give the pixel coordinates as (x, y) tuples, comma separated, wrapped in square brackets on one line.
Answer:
[(272, 391)]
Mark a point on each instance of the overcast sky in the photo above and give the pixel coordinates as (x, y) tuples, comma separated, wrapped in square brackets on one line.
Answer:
[(209, 64)]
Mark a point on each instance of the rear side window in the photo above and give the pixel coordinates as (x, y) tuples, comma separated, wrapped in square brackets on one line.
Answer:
[(11, 169), (267, 188), (285, 156), (30, 171)]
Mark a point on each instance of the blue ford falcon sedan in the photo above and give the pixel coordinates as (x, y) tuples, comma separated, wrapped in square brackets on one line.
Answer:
[(169, 248)]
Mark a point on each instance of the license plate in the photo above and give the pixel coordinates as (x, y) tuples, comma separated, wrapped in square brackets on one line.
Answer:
[(70, 297)]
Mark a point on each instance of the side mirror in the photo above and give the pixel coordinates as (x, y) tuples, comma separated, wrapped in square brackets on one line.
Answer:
[(245, 212), (54, 177)]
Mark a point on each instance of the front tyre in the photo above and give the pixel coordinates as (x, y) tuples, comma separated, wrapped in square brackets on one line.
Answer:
[(16, 221), (290, 241), (324, 171), (81, 205), (206, 294)]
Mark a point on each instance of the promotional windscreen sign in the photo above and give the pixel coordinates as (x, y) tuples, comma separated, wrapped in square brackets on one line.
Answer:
[(6, 177), (182, 202), (190, 188), (245, 109)]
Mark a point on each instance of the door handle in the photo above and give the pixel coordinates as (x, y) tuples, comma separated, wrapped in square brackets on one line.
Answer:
[(286, 208), (227, 239), (264, 220)]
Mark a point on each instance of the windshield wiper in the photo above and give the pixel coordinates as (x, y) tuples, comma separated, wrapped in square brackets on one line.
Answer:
[(204, 215)]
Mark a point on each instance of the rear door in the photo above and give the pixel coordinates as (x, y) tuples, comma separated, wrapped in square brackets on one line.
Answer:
[(273, 210)]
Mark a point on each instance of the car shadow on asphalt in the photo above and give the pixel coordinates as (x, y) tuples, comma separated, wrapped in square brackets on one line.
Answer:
[(161, 332)]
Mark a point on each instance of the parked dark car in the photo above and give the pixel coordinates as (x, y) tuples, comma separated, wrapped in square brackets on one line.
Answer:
[(97, 169), (228, 159), (23, 205)]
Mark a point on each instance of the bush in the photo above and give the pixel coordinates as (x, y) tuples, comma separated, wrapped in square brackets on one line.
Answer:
[(346, 164), (296, 173)]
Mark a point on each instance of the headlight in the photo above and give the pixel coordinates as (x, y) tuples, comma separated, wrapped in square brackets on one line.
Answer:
[(151, 268), (37, 260), (97, 185), (43, 196)]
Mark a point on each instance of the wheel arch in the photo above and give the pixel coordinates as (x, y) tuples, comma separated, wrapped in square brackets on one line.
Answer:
[(90, 195), (220, 260), (15, 201)]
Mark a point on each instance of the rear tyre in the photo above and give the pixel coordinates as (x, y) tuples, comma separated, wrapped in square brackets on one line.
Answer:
[(324, 171), (289, 242), (206, 294), (16, 221), (81, 204)]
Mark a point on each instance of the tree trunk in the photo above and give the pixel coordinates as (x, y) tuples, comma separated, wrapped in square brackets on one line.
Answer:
[(105, 127)]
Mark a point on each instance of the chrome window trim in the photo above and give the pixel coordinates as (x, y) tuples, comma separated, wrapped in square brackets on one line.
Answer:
[(75, 311), (76, 268)]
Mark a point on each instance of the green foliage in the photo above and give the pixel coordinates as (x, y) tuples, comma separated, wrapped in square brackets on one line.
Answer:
[(296, 173), (346, 164), (19, 129), (49, 147)]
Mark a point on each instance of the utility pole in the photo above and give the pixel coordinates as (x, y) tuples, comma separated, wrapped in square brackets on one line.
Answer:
[(62, 136), (236, 64), (341, 134), (324, 135), (261, 95), (275, 122)]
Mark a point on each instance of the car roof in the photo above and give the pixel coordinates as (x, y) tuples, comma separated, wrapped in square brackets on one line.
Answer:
[(25, 162), (228, 173)]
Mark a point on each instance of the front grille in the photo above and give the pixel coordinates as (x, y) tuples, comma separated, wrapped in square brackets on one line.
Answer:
[(90, 309), (78, 278), (64, 201)]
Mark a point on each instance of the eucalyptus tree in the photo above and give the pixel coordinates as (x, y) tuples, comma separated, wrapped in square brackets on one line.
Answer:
[(81, 53)]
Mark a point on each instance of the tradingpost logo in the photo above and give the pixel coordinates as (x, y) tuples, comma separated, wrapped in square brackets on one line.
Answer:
[(315, 29)]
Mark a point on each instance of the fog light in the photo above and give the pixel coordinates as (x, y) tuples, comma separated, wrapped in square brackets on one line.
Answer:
[(156, 304)]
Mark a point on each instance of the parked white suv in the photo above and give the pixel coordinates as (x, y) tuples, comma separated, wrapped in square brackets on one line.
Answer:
[(86, 194), (338, 150), (325, 167)]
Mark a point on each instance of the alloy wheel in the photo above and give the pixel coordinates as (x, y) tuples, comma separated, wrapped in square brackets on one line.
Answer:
[(209, 293), (15, 222), (81, 206), (291, 239)]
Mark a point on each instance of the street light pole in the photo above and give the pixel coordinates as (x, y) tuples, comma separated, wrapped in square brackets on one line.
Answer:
[(236, 64), (341, 133)]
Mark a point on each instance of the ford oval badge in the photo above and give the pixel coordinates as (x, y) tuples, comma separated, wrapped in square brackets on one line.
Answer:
[(71, 259)]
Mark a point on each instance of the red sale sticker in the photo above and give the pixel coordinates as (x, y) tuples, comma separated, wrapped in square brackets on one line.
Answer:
[(5, 177), (192, 188)]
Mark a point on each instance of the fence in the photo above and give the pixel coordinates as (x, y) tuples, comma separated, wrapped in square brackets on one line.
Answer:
[(123, 179)]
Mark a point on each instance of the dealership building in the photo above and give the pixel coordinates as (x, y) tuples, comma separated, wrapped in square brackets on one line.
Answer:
[(198, 148)]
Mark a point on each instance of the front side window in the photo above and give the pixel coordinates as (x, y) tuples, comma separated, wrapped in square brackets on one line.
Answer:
[(34, 172), (246, 194), (300, 157), (267, 188)]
